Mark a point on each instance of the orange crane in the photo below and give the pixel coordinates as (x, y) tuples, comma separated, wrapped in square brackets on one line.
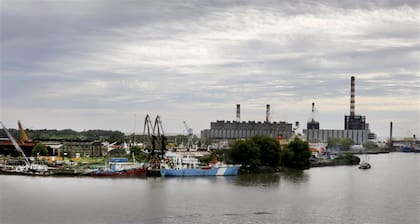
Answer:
[(22, 132)]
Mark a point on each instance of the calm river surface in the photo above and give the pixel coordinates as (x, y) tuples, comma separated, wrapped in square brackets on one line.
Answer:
[(387, 193)]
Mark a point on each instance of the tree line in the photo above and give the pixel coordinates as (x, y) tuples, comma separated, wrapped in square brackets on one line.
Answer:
[(264, 151)]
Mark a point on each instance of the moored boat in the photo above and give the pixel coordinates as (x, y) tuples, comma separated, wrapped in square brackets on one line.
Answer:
[(221, 170), (120, 167), (179, 166)]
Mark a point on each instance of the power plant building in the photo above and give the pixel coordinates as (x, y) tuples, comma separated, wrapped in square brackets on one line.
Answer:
[(321, 135), (355, 126), (230, 130)]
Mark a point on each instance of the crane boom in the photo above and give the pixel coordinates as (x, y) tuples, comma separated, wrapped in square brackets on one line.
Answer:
[(17, 147), (22, 132)]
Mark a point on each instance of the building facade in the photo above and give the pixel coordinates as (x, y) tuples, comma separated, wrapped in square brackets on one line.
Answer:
[(230, 130), (321, 135)]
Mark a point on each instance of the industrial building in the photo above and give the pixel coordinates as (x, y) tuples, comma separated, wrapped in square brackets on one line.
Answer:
[(355, 126), (230, 130)]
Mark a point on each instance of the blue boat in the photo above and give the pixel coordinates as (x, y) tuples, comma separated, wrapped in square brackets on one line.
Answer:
[(178, 166), (222, 170)]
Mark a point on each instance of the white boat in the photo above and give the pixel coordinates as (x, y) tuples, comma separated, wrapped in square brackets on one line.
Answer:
[(364, 162), (364, 165)]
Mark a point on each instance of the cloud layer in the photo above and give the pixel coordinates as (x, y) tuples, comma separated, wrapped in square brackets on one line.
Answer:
[(86, 65)]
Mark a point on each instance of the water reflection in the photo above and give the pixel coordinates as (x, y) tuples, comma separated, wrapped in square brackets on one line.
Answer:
[(271, 179)]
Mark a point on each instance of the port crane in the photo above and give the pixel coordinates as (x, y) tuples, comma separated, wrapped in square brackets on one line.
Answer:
[(22, 132), (156, 136)]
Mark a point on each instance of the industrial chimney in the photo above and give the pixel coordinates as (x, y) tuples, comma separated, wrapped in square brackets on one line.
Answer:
[(238, 113), (267, 114), (352, 101), (390, 133)]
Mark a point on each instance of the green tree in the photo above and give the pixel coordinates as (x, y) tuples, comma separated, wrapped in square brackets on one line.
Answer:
[(296, 154), (346, 143), (245, 153), (139, 155), (40, 149), (269, 150)]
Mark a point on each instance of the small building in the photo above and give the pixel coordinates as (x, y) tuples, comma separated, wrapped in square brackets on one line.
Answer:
[(82, 149)]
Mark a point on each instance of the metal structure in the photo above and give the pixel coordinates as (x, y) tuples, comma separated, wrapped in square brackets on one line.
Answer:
[(312, 124), (190, 135), (156, 136), (161, 138), (150, 133)]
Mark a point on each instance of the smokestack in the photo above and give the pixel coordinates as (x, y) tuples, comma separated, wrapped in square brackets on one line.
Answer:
[(267, 114), (352, 101), (238, 112), (313, 107), (390, 132)]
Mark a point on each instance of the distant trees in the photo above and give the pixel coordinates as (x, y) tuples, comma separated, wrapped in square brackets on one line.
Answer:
[(265, 151), (40, 149)]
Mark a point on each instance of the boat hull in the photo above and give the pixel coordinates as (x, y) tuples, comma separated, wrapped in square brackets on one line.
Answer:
[(120, 173), (364, 165), (230, 170)]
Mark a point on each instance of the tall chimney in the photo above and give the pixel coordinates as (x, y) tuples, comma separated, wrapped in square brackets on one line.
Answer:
[(267, 113), (390, 133), (352, 101), (238, 112)]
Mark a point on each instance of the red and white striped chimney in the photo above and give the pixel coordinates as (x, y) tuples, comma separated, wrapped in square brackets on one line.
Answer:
[(238, 112), (352, 101)]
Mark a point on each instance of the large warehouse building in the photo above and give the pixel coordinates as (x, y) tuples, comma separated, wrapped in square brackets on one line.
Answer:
[(229, 130)]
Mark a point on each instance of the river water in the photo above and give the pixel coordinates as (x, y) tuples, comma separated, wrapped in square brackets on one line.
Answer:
[(387, 193)]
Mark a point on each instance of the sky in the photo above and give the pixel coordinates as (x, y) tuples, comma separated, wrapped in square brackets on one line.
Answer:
[(106, 64)]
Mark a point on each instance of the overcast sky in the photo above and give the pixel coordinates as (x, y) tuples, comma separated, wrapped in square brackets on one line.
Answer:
[(106, 64)]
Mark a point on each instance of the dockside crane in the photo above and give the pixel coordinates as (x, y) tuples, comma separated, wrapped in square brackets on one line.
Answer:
[(22, 132), (150, 133), (158, 129)]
